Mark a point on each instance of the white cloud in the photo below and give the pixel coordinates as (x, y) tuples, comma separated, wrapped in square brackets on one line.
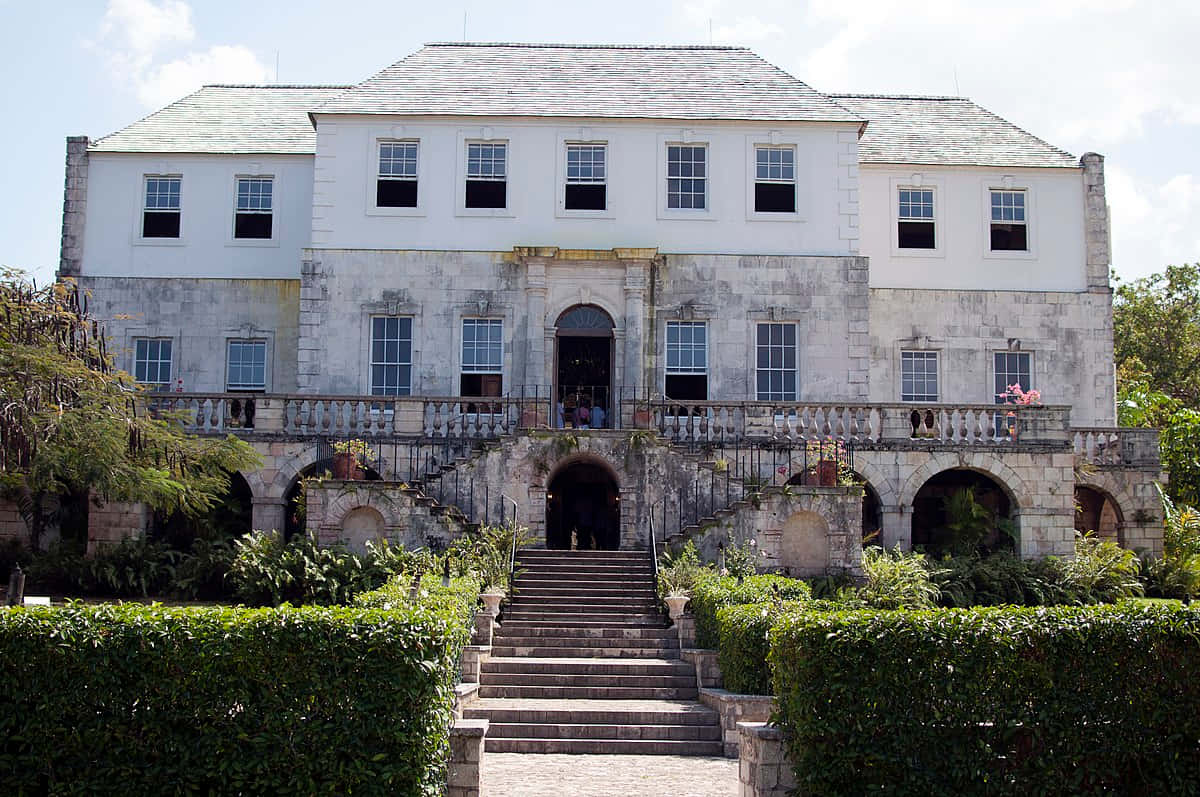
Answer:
[(143, 42), (1154, 223), (221, 64)]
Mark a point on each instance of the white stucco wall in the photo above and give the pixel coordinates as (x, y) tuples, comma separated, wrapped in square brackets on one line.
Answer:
[(1057, 257), (345, 216), (113, 245)]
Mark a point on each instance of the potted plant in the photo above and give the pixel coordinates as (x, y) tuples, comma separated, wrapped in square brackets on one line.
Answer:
[(828, 454), (1019, 397), (492, 596), (350, 458)]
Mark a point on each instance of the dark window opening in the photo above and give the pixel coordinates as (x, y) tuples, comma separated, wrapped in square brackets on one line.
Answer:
[(774, 198), (481, 385), (585, 197), (1009, 238), (487, 194), (252, 225), (396, 193), (156, 224), (916, 235), (686, 387)]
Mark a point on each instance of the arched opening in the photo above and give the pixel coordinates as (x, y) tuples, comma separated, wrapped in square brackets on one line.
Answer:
[(872, 515), (294, 501), (1095, 510), (582, 498), (963, 511), (362, 525), (230, 516), (583, 372)]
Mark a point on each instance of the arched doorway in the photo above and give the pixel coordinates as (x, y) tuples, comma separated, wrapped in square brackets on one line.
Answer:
[(962, 511), (583, 497), (1095, 510), (583, 371), (294, 501)]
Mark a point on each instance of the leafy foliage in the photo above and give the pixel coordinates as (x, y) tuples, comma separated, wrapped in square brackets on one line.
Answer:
[(1156, 331), (713, 592), (995, 580), (134, 700), (1176, 574), (678, 572), (1091, 700), (1100, 572), (897, 579), (741, 558)]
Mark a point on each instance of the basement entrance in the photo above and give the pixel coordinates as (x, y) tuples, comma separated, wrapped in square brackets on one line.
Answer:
[(583, 498), (583, 372)]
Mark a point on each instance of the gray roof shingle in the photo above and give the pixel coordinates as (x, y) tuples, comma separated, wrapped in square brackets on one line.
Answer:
[(604, 81), (228, 120), (949, 131)]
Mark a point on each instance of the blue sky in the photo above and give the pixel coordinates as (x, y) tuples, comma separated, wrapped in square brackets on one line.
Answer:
[(1120, 77)]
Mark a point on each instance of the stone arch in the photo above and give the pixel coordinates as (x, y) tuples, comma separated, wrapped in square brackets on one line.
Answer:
[(290, 469), (987, 464), (932, 511), (583, 504), (804, 544), (1119, 500), (360, 525), (582, 458), (559, 309)]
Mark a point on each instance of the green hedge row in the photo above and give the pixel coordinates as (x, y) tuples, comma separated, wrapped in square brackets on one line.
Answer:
[(714, 592), (991, 701), (135, 700), (744, 644)]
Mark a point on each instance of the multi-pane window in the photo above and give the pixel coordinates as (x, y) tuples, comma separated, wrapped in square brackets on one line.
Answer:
[(774, 180), (918, 376), (587, 176), (391, 356), (152, 362), (687, 177), (487, 176), (247, 369), (482, 356), (687, 360), (776, 362), (255, 207), (161, 208), (915, 224), (1009, 223), (396, 185), (1011, 368)]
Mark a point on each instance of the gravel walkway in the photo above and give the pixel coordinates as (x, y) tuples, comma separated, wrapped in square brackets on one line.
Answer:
[(528, 775)]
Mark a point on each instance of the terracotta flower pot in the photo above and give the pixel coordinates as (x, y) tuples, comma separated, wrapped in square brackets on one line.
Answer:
[(827, 473), (345, 466)]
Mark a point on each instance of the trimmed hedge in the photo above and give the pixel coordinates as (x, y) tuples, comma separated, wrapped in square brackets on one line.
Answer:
[(135, 700), (992, 701), (744, 645), (712, 593)]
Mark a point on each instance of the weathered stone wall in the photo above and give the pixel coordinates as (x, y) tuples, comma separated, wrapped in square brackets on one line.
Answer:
[(12, 526), (75, 188), (341, 512), (199, 316), (113, 521), (1069, 335)]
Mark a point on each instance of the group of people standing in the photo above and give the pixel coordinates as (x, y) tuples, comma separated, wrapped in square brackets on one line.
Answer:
[(581, 412)]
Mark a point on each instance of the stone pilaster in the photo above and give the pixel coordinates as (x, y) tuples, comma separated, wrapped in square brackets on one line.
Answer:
[(313, 306), (535, 293), (635, 324), (1098, 242), (267, 514), (70, 261)]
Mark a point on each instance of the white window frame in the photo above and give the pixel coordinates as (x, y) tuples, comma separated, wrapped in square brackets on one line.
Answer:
[(1008, 183), (157, 386), (477, 321), (583, 137), (793, 181), (372, 363), (164, 173), (488, 135), (994, 373), (274, 239), (925, 355), (777, 139), (376, 138), (917, 182), (795, 387), (266, 363), (686, 138), (415, 177)]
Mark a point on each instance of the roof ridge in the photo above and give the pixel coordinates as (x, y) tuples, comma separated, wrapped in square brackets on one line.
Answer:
[(569, 46), (278, 85)]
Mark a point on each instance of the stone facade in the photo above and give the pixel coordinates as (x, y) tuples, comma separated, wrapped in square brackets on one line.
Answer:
[(75, 192)]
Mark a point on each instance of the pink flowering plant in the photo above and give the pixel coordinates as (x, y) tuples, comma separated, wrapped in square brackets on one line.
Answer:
[(1014, 394)]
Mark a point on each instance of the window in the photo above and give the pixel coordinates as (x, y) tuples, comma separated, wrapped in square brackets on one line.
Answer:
[(247, 368), (160, 209), (687, 360), (776, 362), (254, 211), (687, 183), (587, 175), (918, 376), (482, 356), (915, 225), (1009, 225), (487, 175), (396, 186), (152, 362), (774, 180), (1011, 368), (391, 356)]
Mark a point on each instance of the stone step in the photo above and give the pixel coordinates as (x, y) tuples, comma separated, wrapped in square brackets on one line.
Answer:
[(598, 666), (564, 568), (590, 692), (641, 591), (604, 747), (567, 678), (600, 617), (508, 648), (567, 622), (579, 602), (641, 731), (601, 632), (605, 712), (552, 553), (584, 642)]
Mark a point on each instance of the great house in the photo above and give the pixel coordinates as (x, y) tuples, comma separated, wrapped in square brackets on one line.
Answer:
[(621, 292)]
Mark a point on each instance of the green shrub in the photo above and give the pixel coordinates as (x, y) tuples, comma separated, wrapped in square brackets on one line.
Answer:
[(1009, 701), (200, 573), (742, 651), (132, 568), (134, 700), (897, 579), (998, 579), (1101, 572), (267, 571), (712, 592), (678, 572)]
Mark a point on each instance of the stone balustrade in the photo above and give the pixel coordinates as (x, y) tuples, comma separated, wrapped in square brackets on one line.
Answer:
[(1116, 446)]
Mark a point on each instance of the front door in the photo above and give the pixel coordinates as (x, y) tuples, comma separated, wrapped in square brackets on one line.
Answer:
[(583, 381)]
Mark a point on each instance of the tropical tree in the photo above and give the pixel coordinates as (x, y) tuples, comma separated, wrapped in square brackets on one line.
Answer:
[(72, 424)]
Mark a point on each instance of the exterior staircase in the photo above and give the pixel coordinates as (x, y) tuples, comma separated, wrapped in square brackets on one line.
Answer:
[(584, 662)]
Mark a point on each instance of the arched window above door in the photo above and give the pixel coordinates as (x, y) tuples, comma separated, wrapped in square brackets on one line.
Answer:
[(587, 318)]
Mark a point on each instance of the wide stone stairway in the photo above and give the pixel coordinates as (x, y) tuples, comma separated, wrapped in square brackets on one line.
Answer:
[(584, 662)]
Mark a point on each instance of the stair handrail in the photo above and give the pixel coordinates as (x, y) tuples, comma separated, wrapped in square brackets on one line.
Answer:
[(512, 553), (653, 549)]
